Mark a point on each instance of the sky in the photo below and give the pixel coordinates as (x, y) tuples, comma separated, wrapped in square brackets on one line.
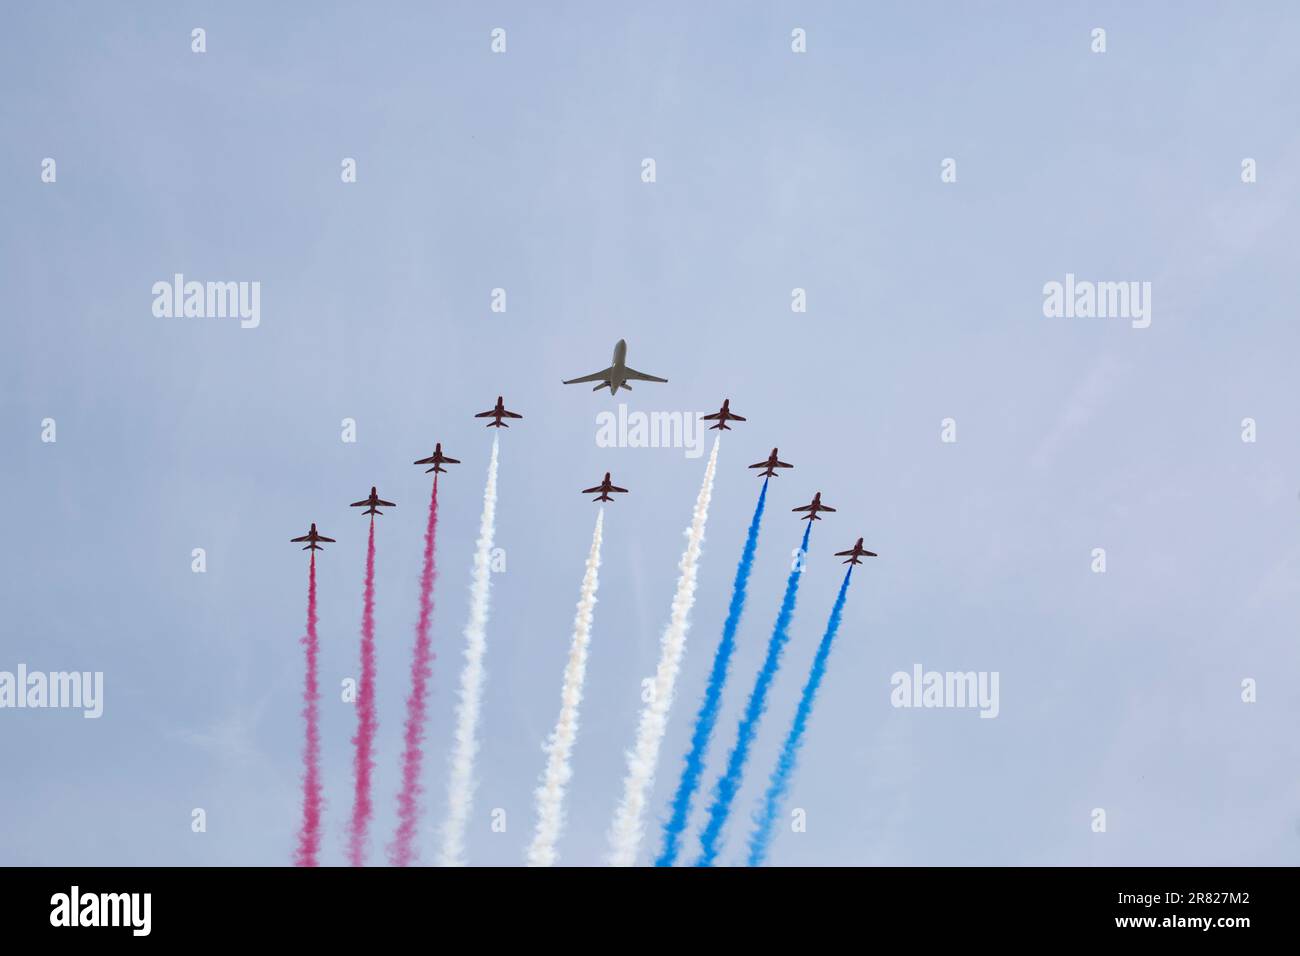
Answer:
[(1120, 691)]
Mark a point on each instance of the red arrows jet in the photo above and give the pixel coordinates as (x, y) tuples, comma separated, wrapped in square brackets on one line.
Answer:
[(312, 537), (498, 413), (856, 553), (605, 487), (372, 503), (770, 465), (722, 416), (813, 508), (437, 459)]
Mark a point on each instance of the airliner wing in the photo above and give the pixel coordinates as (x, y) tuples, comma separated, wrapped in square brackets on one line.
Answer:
[(642, 376), (593, 377)]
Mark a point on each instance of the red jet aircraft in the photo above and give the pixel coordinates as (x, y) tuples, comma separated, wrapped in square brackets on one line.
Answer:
[(437, 459), (312, 537), (813, 508), (722, 416), (497, 413), (372, 503), (605, 487), (770, 465), (856, 553)]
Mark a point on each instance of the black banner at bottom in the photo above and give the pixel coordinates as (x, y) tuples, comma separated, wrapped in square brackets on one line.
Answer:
[(338, 905)]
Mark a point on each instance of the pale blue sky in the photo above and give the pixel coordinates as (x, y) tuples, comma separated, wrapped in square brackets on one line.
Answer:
[(775, 171)]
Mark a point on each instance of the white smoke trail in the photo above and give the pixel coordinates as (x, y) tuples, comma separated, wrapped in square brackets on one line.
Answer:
[(550, 795), (460, 785), (625, 834)]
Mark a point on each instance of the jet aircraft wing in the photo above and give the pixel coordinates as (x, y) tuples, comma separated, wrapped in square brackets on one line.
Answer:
[(637, 376), (593, 377)]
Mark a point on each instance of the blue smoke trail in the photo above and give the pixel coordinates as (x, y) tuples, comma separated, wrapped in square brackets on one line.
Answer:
[(764, 820), (707, 717), (724, 793)]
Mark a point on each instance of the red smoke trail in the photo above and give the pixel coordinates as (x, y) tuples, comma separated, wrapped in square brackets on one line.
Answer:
[(364, 741), (402, 852), (309, 835)]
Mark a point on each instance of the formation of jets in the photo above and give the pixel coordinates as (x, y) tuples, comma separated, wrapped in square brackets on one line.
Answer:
[(605, 487), (372, 503), (615, 377)]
